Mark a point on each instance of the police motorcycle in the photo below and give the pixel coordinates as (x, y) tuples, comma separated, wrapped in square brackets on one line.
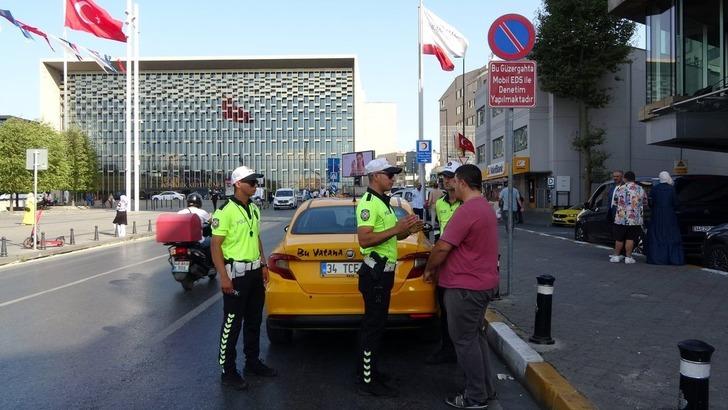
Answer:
[(182, 233)]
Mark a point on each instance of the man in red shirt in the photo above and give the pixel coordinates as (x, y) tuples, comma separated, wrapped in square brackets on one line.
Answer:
[(465, 262)]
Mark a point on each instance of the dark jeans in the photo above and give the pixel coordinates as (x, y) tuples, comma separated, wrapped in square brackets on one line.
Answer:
[(245, 309), (419, 212), (466, 320), (446, 345), (376, 290)]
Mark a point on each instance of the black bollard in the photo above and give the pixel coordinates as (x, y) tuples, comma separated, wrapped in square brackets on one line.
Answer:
[(4, 248), (133, 227), (72, 238), (149, 227), (542, 328), (42, 240), (96, 232), (694, 374)]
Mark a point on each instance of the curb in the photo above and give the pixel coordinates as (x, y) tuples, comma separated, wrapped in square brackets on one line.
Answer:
[(550, 389), (73, 248)]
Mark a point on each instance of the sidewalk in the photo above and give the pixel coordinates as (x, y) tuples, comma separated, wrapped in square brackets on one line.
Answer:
[(617, 326)]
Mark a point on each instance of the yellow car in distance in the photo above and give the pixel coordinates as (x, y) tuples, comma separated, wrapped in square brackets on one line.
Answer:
[(313, 282), (565, 217)]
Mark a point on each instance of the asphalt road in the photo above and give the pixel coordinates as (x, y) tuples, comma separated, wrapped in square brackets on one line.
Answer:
[(110, 328)]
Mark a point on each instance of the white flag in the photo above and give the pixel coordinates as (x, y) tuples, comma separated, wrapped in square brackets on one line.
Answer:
[(441, 40)]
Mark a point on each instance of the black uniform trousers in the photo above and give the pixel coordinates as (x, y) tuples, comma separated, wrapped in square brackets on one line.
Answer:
[(375, 288), (446, 345), (244, 309)]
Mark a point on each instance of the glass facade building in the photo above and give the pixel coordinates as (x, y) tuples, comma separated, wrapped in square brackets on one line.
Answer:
[(301, 112)]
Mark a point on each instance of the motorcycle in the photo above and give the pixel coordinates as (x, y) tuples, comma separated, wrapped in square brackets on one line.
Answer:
[(190, 262)]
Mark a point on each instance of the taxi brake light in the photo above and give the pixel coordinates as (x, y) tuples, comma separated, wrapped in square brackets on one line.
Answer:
[(278, 264), (418, 265)]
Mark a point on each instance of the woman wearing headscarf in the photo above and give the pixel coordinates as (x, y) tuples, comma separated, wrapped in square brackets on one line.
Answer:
[(664, 243), (120, 219)]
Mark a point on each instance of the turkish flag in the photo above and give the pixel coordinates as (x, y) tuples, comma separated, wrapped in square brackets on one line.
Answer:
[(85, 15), (465, 144), (230, 111)]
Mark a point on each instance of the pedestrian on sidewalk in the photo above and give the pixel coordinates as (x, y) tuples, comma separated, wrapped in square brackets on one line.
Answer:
[(618, 178), (664, 242), (629, 199), (110, 200), (418, 202), (29, 210), (465, 262), (509, 201), (237, 252), (120, 218), (214, 196), (445, 208)]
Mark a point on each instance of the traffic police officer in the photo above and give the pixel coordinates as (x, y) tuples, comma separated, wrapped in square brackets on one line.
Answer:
[(378, 231), (237, 252), (445, 208)]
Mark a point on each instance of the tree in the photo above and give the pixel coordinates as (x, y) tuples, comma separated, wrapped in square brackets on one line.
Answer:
[(577, 43), (83, 171), (16, 136)]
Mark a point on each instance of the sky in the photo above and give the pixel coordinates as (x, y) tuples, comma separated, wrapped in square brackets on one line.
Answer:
[(381, 33)]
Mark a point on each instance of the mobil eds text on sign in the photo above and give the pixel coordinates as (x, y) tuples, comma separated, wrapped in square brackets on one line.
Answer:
[(512, 84)]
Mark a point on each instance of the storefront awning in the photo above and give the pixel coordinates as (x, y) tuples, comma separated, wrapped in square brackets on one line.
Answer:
[(497, 170)]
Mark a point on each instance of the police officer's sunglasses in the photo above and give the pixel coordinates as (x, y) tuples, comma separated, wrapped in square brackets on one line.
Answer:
[(251, 182), (388, 174)]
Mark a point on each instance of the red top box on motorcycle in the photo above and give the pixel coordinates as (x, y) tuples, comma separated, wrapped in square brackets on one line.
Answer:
[(178, 228)]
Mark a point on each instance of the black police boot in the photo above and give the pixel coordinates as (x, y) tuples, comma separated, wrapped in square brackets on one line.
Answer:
[(233, 380), (376, 388), (258, 368)]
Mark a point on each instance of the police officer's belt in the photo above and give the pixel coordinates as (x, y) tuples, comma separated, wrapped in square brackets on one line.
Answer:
[(240, 267), (388, 267)]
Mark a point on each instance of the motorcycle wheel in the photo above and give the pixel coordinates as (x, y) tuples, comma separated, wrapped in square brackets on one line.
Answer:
[(187, 284)]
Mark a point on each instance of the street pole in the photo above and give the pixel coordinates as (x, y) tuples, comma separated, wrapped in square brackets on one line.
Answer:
[(128, 124), (420, 100), (509, 156), (35, 198), (136, 107)]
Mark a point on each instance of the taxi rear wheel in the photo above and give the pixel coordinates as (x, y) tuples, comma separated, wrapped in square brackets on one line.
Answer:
[(278, 336)]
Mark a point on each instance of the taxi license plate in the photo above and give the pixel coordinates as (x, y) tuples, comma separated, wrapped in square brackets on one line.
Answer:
[(701, 228), (339, 268), (180, 266)]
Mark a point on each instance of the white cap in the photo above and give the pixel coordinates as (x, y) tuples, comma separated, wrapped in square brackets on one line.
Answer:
[(450, 168), (243, 174), (379, 165)]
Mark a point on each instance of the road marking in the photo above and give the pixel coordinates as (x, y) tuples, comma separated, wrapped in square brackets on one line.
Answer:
[(10, 302), (571, 240), (186, 318), (719, 272)]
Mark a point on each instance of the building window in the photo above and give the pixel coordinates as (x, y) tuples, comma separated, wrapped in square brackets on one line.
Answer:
[(661, 53), (481, 116), (459, 93), (480, 153), (520, 139), (498, 148), (459, 110)]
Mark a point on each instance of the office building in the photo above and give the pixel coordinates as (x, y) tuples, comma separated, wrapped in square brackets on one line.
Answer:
[(457, 104)]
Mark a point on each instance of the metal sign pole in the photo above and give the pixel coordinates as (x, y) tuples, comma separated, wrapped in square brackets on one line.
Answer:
[(509, 156), (35, 198)]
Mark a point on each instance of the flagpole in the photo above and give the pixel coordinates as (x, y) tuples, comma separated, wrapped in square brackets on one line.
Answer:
[(421, 167), (463, 98), (65, 71), (127, 127), (136, 107)]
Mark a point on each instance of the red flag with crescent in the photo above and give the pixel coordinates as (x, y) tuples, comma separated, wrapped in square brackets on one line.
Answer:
[(465, 144), (85, 15)]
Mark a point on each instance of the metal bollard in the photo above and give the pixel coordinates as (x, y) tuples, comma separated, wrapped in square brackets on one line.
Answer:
[(72, 239), (3, 248), (96, 232), (542, 328), (149, 227), (42, 241), (694, 374), (133, 227)]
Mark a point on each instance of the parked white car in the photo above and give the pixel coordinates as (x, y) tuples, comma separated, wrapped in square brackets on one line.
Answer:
[(168, 195), (284, 198)]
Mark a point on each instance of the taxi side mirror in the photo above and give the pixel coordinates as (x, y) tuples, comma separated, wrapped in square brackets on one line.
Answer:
[(285, 229)]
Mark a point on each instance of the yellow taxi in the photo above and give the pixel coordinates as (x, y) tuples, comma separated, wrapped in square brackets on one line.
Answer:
[(565, 217), (312, 273)]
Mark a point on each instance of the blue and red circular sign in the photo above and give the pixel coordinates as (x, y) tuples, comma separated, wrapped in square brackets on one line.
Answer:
[(511, 37)]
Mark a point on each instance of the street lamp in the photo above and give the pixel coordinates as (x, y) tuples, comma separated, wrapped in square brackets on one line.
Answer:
[(447, 135)]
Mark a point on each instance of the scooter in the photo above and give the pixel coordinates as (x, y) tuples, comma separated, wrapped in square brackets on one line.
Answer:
[(190, 262), (42, 244)]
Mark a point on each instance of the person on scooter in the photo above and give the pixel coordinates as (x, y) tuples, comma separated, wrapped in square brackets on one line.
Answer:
[(194, 206)]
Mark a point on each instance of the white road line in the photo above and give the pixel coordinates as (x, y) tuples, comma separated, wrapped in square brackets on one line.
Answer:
[(186, 318), (719, 272), (10, 302)]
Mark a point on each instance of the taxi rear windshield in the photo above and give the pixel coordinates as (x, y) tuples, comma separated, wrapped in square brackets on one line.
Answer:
[(331, 220)]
